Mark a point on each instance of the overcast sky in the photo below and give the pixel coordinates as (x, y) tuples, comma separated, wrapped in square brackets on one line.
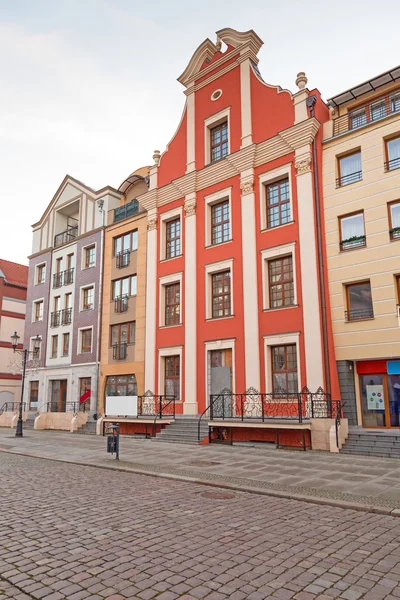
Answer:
[(88, 87)]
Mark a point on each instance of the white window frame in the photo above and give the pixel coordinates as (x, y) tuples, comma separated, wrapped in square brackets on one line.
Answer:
[(221, 345), (163, 282), (79, 348), (271, 254), (271, 177), (33, 320), (162, 353), (216, 198), (211, 269), (42, 264), (83, 256), (209, 123), (170, 215), (81, 292), (282, 339)]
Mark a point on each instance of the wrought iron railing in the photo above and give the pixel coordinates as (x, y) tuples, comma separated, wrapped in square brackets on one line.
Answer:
[(12, 407), (390, 165), (120, 351), (70, 407), (121, 303), (357, 241), (357, 314), (156, 405), (123, 259), (55, 318), (66, 316), (128, 210), (69, 276), (65, 236), (57, 280), (348, 179), (369, 113)]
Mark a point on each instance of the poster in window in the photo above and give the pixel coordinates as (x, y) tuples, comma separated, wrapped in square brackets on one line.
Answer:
[(375, 399)]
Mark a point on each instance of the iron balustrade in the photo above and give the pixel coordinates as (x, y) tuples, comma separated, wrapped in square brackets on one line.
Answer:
[(120, 351), (55, 318), (11, 407), (364, 115), (123, 259), (357, 241), (65, 236), (157, 406), (69, 276), (121, 303), (390, 165), (66, 316), (348, 179), (128, 210), (57, 280), (71, 407), (356, 314)]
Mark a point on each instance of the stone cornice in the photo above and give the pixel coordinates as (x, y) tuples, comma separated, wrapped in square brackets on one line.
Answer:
[(285, 142)]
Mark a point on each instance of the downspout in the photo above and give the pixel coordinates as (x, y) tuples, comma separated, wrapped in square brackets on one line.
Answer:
[(100, 206), (311, 100)]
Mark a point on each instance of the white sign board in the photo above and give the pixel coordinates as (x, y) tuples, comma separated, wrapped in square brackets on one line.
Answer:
[(121, 406), (375, 399)]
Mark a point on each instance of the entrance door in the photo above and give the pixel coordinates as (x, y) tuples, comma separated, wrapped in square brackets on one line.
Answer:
[(63, 396), (220, 365), (374, 400), (59, 395)]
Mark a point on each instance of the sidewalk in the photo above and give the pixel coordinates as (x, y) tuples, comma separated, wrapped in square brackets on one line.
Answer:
[(364, 483)]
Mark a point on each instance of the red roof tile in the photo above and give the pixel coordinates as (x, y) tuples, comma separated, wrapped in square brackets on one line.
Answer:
[(14, 273)]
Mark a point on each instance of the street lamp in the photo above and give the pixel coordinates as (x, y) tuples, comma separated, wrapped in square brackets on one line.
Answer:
[(24, 353)]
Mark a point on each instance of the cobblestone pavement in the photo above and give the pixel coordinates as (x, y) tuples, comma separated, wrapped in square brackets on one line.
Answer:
[(358, 480), (78, 532)]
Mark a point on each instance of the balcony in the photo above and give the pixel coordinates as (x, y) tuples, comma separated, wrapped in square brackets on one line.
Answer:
[(390, 165), (120, 351), (66, 316), (65, 237), (57, 280), (55, 318), (128, 210), (123, 259), (357, 314), (370, 113), (348, 179), (357, 241), (69, 276), (121, 304)]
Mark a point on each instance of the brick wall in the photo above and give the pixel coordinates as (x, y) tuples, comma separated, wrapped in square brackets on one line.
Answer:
[(35, 292)]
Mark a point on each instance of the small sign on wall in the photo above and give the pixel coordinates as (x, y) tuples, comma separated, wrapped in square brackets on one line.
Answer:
[(375, 399)]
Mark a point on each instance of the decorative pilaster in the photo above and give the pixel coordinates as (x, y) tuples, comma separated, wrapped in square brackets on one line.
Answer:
[(151, 296), (245, 97), (190, 404), (190, 129), (250, 292)]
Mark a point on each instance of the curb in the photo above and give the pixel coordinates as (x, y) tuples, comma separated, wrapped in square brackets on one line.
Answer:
[(368, 508)]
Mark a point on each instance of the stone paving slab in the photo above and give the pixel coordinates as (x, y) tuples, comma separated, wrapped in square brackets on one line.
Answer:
[(365, 482)]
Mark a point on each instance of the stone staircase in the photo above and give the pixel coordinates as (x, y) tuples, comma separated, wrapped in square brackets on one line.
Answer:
[(184, 430), (30, 421), (373, 442), (88, 429)]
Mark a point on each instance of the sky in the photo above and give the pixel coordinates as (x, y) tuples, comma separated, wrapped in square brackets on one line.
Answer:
[(88, 87)]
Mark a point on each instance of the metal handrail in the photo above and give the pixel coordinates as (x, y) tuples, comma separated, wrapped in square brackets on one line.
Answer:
[(69, 276), (337, 421), (366, 114), (162, 408), (14, 407), (123, 259)]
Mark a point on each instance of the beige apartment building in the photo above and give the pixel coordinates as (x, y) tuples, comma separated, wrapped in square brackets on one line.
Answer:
[(361, 185)]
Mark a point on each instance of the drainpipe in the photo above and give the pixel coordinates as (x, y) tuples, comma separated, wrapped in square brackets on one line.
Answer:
[(311, 100), (100, 206)]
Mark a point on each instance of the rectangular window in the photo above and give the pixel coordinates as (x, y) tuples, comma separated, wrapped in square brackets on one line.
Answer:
[(65, 344), (121, 385), (123, 333), (59, 265), (352, 233), (56, 303), (34, 394), (85, 384), (54, 346), (68, 300), (41, 274), (284, 369), (349, 168), (128, 242), (70, 261), (39, 310), (88, 298), (394, 220), (278, 203), (220, 222), (221, 294), (359, 301), (173, 238), (172, 376), (124, 287), (219, 141), (86, 340), (392, 154), (281, 285), (90, 257), (172, 304)]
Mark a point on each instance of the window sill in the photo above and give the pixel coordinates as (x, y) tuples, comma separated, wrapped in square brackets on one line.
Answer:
[(360, 319), (169, 326), (86, 268), (171, 258), (359, 247), (39, 282), (219, 244), (220, 318), (86, 309), (342, 185), (130, 344), (277, 227), (281, 308)]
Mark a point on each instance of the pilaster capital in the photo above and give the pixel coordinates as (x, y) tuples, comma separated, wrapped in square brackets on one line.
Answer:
[(152, 219), (303, 163), (190, 206), (247, 185)]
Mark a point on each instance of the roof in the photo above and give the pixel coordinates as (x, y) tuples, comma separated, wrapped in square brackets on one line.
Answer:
[(14, 273), (137, 175), (367, 86)]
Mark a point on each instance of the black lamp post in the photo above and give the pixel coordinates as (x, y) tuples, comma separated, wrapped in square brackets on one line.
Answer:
[(24, 354)]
